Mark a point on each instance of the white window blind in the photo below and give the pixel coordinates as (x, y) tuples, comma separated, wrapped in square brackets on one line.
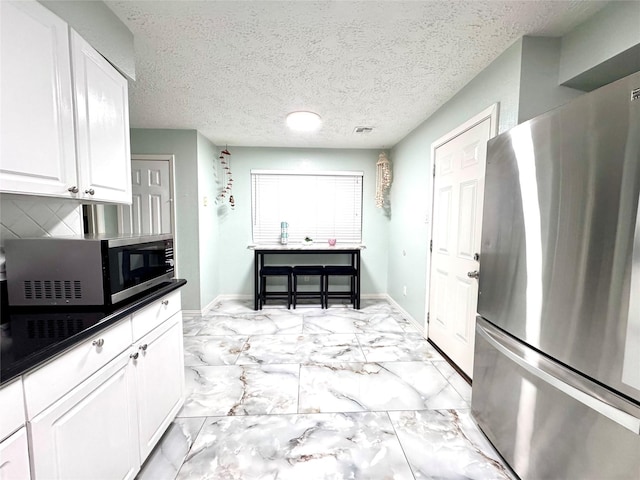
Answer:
[(319, 205)]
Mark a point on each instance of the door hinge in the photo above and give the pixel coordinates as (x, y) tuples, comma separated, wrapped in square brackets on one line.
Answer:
[(434, 169), (428, 317), (431, 245)]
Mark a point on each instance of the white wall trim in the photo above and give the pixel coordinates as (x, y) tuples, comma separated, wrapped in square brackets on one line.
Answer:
[(347, 173), (220, 298), (492, 114), (172, 189), (489, 112), (366, 296), (404, 313)]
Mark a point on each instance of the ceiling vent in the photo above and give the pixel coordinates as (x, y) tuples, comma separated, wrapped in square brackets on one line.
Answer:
[(363, 130)]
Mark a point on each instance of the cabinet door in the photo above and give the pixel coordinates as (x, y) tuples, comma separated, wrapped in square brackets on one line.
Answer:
[(14, 457), (102, 128), (90, 432), (159, 381), (37, 151), (12, 407)]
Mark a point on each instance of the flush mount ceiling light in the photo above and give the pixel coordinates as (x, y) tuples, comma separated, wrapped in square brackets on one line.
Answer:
[(303, 121)]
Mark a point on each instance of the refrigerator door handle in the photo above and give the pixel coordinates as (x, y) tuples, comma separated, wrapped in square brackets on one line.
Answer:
[(584, 391)]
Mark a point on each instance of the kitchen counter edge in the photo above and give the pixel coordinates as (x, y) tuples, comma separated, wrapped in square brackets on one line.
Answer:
[(38, 359)]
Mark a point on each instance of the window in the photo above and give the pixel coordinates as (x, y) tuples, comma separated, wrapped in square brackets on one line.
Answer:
[(320, 205)]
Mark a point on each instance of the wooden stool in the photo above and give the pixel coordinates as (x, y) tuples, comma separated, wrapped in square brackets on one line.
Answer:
[(339, 271), (274, 271), (304, 271)]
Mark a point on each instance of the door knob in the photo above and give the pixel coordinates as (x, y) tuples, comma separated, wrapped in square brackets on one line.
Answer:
[(73, 189), (91, 191), (475, 274)]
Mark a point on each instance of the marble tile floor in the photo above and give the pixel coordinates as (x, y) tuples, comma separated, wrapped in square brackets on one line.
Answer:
[(319, 394)]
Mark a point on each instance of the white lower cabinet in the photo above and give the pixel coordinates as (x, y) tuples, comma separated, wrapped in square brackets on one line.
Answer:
[(159, 381), (106, 426), (14, 457), (92, 431)]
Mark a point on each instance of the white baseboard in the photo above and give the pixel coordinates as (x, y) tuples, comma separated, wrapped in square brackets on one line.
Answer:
[(365, 296), (215, 301), (232, 296), (406, 315), (375, 296)]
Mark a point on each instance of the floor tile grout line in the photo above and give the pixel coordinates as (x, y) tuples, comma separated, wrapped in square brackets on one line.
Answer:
[(299, 383), (395, 432), (186, 455)]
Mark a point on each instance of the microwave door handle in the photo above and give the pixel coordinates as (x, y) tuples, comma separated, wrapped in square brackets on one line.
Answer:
[(126, 265)]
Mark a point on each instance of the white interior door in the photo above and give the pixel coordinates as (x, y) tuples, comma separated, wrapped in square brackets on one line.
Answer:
[(151, 211), (457, 222)]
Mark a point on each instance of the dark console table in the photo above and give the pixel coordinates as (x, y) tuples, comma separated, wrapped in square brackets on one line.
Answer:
[(261, 251)]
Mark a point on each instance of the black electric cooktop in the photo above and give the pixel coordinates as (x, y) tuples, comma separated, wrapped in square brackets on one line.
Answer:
[(30, 336)]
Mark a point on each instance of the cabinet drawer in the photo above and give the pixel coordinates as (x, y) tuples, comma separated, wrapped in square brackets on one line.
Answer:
[(47, 384), (153, 315), (12, 408)]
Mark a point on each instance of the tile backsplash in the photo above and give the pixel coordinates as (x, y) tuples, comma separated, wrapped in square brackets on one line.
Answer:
[(25, 216)]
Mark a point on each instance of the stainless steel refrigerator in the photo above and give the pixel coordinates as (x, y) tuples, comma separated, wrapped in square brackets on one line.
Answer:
[(556, 379)]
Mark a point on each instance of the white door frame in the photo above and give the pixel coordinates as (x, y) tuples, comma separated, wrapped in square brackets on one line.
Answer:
[(491, 113), (172, 189)]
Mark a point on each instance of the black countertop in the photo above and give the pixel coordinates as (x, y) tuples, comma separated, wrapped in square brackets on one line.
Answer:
[(31, 336)]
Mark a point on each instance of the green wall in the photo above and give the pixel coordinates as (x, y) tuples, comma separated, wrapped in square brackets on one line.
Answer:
[(604, 48), (411, 194), (102, 28), (236, 261), (208, 188), (212, 238), (182, 144), (539, 88), (525, 81)]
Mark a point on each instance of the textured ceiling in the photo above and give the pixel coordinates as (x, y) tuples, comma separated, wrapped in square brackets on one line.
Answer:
[(234, 69)]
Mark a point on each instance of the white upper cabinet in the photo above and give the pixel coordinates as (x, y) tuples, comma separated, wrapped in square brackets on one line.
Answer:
[(37, 152), (102, 126), (50, 77)]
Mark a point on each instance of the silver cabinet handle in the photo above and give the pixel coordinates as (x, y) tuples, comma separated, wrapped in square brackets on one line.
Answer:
[(134, 355), (474, 274), (91, 191), (143, 347), (98, 343), (165, 302), (73, 189)]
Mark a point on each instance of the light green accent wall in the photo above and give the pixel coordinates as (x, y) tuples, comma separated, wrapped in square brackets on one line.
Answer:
[(539, 89), (183, 144), (609, 33), (111, 218), (208, 188), (236, 261), (99, 26), (411, 193)]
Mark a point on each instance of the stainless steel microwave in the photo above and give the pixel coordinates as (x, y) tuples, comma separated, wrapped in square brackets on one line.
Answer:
[(86, 270)]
